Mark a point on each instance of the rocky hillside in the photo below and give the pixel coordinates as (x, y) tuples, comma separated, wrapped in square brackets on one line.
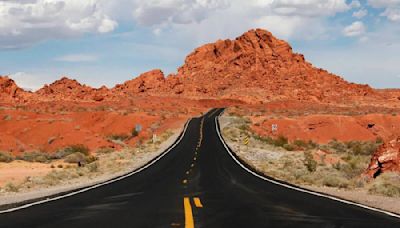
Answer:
[(254, 68)]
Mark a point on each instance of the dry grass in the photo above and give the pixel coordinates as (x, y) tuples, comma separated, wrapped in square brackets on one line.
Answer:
[(387, 184), (295, 161), (65, 169)]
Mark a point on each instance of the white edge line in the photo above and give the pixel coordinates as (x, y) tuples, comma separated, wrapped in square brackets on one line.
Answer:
[(293, 187), (104, 183)]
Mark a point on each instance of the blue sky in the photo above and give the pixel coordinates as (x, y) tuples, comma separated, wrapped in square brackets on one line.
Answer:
[(107, 42)]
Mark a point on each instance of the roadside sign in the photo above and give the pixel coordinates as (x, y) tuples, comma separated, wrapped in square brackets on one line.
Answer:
[(274, 127), (138, 128)]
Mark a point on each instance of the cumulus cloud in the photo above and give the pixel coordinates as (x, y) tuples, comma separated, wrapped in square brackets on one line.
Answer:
[(23, 23), (357, 28), (309, 8), (355, 4), (392, 14), (153, 12), (28, 81), (360, 13), (392, 8), (383, 3)]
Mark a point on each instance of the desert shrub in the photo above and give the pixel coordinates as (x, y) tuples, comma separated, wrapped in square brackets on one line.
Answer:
[(7, 118), (309, 162), (312, 144), (35, 157), (379, 140), (60, 166), (280, 141), (337, 146), (78, 148), (93, 167), (104, 150), (6, 157), (334, 181), (10, 187), (288, 147), (361, 148), (55, 177), (387, 184), (300, 143), (267, 140), (90, 159), (243, 127), (75, 158), (120, 137)]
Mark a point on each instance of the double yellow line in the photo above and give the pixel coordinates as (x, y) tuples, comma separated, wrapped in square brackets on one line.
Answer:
[(189, 221)]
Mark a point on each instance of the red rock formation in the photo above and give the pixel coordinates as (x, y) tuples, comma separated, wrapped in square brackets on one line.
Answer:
[(386, 158), (10, 92), (258, 67), (68, 89), (149, 81)]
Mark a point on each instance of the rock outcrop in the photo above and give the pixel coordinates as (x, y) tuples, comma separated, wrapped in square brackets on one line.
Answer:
[(67, 89), (10, 92), (259, 67), (386, 158)]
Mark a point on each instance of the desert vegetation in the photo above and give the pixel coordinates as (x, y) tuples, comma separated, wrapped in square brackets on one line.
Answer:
[(75, 163), (335, 164)]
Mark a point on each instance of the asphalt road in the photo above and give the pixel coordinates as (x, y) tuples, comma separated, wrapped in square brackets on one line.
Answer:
[(197, 184)]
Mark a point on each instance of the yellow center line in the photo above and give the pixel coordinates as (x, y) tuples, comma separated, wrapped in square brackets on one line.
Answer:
[(189, 222), (197, 202)]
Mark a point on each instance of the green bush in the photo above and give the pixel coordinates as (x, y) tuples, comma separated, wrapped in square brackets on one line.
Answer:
[(6, 157), (309, 162)]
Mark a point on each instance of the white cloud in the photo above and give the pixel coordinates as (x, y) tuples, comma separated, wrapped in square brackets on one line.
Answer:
[(392, 8), (355, 4), (360, 13), (309, 7), (154, 12), (78, 58), (23, 23), (383, 3), (357, 28), (392, 14), (28, 81)]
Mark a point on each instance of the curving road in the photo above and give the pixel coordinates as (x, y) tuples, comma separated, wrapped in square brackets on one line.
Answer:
[(197, 184)]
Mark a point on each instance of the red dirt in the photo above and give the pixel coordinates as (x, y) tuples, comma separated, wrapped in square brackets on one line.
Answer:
[(324, 128)]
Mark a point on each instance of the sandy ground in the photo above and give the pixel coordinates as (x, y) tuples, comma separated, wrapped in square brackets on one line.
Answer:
[(18, 171), (252, 155)]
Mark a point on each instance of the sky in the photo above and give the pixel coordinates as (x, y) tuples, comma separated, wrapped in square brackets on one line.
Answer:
[(105, 42)]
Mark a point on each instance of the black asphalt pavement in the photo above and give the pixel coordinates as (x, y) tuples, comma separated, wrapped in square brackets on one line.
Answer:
[(197, 184)]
